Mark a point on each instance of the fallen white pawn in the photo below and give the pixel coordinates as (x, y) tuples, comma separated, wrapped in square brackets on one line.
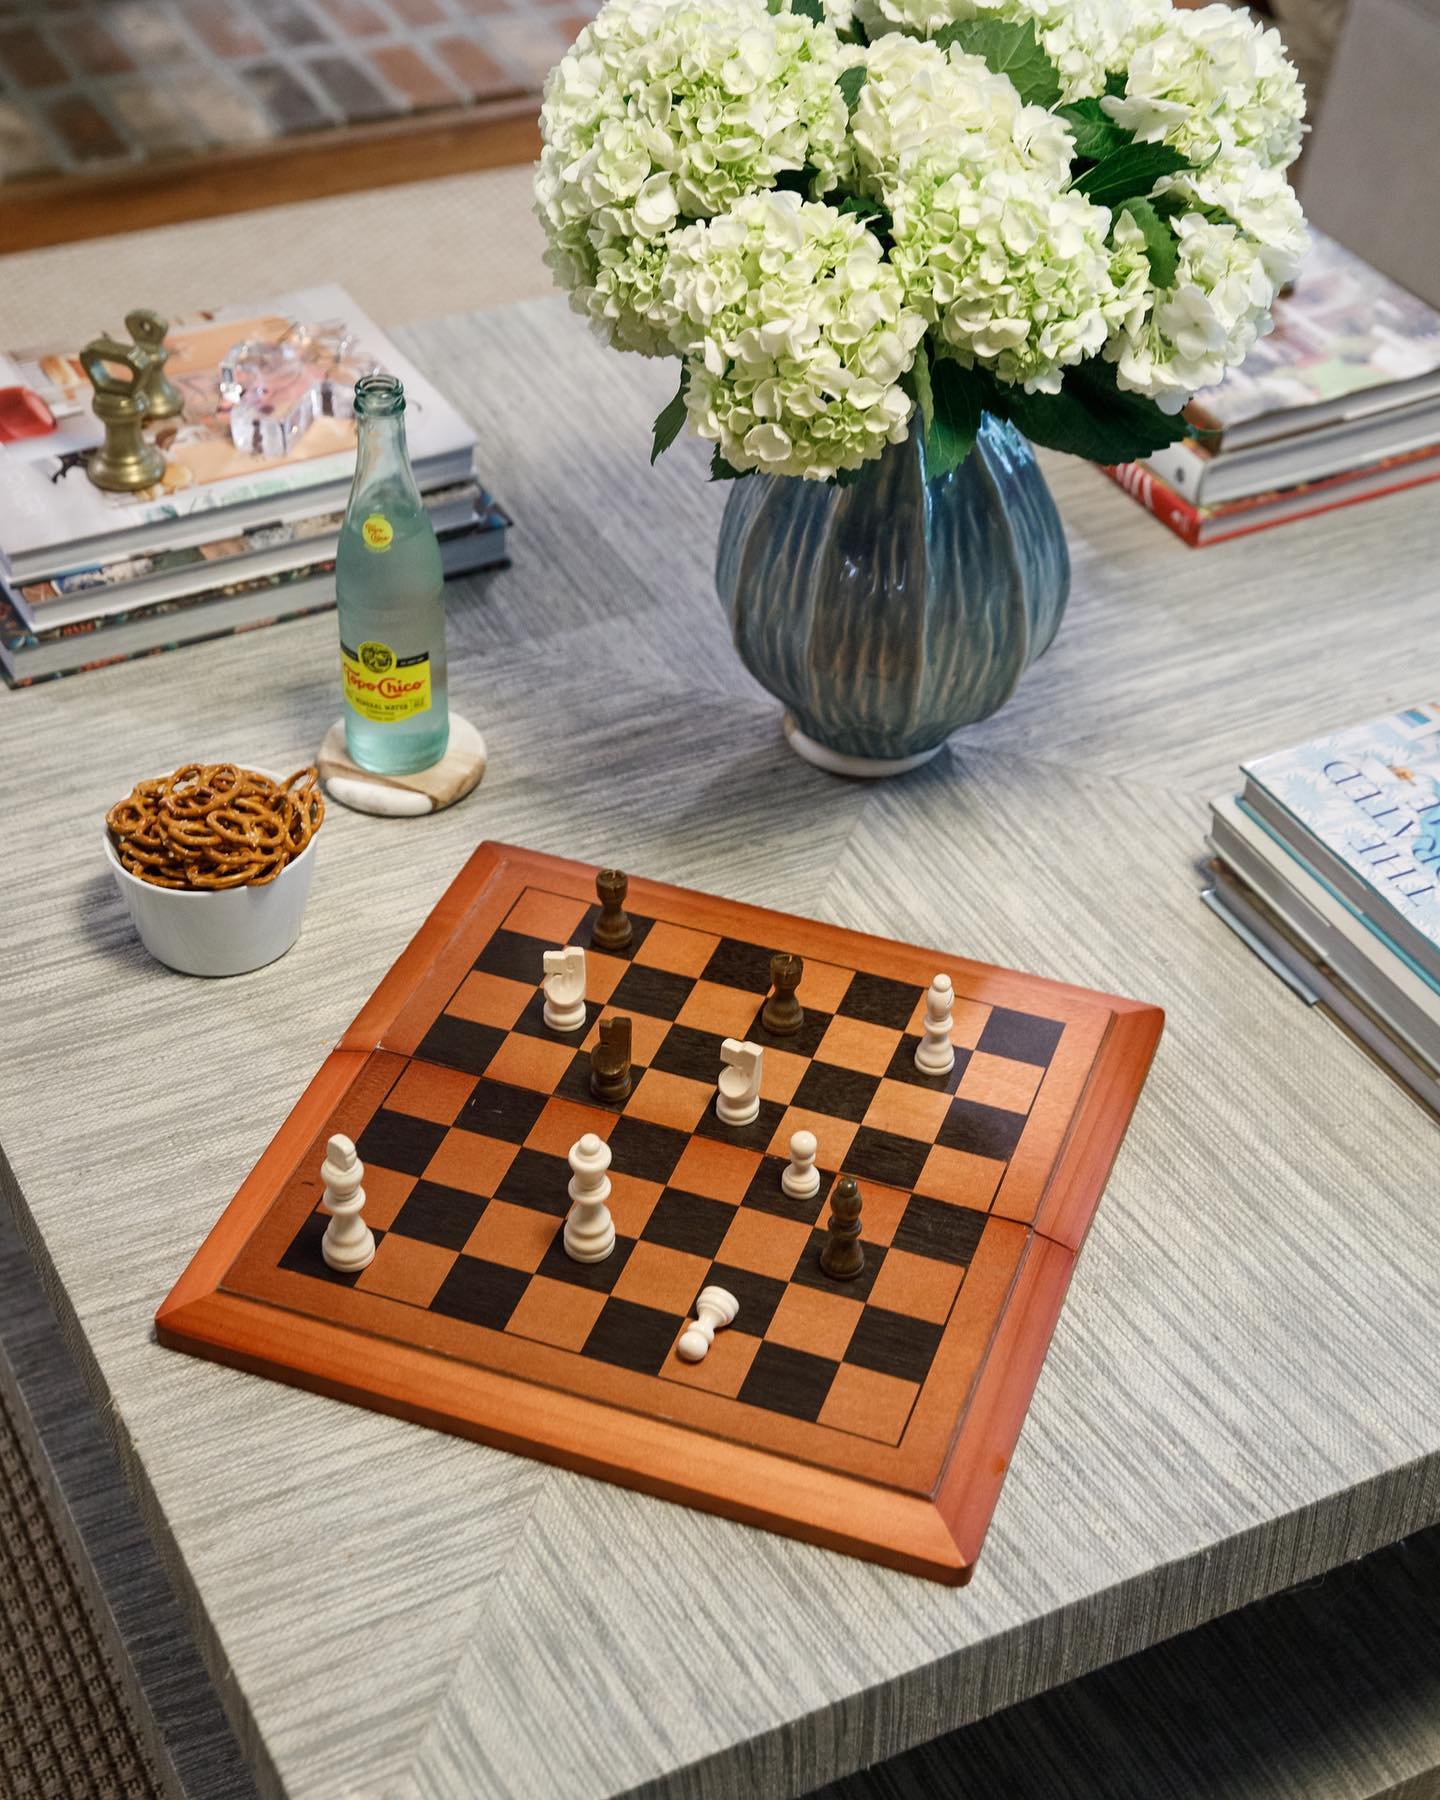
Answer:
[(715, 1309)]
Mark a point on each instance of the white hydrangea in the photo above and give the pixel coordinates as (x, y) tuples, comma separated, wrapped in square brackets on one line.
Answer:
[(922, 105), (1204, 323), (1011, 273), (1260, 200), (796, 336), (667, 110), (1211, 83)]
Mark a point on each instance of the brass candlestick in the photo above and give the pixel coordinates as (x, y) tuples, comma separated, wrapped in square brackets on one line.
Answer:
[(163, 400), (125, 462)]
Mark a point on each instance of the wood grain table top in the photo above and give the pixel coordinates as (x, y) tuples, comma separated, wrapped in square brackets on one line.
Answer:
[(1243, 1390)]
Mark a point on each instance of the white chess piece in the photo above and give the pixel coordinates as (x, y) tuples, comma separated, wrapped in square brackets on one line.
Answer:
[(589, 1229), (738, 1101), (935, 1054), (564, 986), (714, 1310), (348, 1243), (801, 1181)]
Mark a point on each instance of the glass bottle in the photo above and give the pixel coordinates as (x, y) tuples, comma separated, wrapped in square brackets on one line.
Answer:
[(390, 598)]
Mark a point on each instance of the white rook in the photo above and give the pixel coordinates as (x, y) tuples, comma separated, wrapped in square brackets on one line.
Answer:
[(348, 1243), (738, 1101), (935, 1054), (589, 1229), (564, 986)]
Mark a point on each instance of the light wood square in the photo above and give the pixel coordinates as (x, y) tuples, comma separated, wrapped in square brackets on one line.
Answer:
[(726, 1010), (490, 1000), (556, 1312), (470, 1161), (673, 947), (554, 917), (406, 1269), (997, 1081), (857, 1044)]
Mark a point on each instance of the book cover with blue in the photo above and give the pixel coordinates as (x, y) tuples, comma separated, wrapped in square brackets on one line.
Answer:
[(1369, 794)]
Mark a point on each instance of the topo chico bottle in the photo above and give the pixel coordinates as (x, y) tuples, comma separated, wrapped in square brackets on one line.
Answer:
[(390, 598)]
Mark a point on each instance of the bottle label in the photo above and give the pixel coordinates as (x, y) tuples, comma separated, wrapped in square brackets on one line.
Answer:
[(378, 533), (384, 687)]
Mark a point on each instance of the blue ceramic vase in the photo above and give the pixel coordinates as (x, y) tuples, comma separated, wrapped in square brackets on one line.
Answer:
[(888, 613)]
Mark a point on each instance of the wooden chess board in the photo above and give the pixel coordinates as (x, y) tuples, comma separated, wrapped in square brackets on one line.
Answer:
[(875, 1416)]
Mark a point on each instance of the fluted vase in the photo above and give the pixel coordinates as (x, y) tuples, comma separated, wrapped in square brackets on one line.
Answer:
[(888, 613)]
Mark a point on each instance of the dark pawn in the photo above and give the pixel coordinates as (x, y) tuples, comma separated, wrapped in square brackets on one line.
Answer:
[(782, 1013), (843, 1257), (613, 929), (610, 1060)]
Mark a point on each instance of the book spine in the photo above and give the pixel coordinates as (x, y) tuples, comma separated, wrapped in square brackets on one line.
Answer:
[(1166, 505)]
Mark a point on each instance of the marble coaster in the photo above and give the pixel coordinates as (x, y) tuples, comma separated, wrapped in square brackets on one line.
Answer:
[(426, 791)]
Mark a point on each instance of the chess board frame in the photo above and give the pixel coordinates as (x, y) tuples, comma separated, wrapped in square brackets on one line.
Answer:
[(923, 1506)]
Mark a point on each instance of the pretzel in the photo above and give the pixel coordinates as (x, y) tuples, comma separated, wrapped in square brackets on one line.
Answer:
[(214, 826)]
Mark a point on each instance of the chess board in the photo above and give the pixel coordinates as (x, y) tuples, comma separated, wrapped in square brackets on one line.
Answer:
[(875, 1416)]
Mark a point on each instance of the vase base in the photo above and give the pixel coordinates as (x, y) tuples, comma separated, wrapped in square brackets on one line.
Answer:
[(859, 768)]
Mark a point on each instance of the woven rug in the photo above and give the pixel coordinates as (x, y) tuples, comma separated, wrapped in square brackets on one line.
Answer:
[(65, 1731)]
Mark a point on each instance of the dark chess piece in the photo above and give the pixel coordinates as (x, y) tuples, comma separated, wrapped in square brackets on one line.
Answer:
[(613, 930), (610, 1060), (782, 1013), (843, 1257), (163, 400)]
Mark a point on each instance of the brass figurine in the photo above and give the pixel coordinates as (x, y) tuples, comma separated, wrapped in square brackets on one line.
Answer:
[(125, 462), (163, 400)]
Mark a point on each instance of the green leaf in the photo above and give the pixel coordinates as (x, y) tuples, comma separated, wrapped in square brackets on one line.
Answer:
[(958, 401), (1115, 84), (848, 477), (850, 83), (1129, 172), (797, 181), (1012, 50), (869, 212), (920, 386), (1095, 135), (670, 420), (1171, 204), (814, 10), (720, 470), (1161, 250), (1092, 417)]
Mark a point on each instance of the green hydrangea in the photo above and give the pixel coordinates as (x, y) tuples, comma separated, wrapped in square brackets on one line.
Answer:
[(796, 335)]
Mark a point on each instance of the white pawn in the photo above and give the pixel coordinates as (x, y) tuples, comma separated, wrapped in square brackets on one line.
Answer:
[(801, 1181), (714, 1310), (935, 1054), (348, 1243), (564, 986), (589, 1229), (738, 1101)]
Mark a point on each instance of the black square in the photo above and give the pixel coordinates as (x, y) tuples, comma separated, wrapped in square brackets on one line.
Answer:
[(1021, 1036), (738, 965), (537, 1180), (396, 1140), (688, 1222), (885, 1157), (574, 1084), (982, 1130), (686, 1051), (938, 1230), (758, 1296), (632, 1336), (843, 1093), (649, 1152), (599, 1277), (639, 931), (892, 1344), (880, 1001), (514, 956), (439, 1215), (305, 1257), (460, 1044), (500, 1111), (804, 1042), (655, 992), (788, 1381), (754, 1136), (481, 1293), (902, 1068), (808, 1272), (765, 1193), (531, 1022)]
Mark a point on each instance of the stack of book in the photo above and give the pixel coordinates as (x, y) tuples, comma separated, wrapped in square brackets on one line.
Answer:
[(242, 529), (1340, 403), (1327, 863)]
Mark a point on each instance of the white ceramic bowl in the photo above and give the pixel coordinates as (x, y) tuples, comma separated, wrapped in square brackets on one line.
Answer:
[(228, 931)]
